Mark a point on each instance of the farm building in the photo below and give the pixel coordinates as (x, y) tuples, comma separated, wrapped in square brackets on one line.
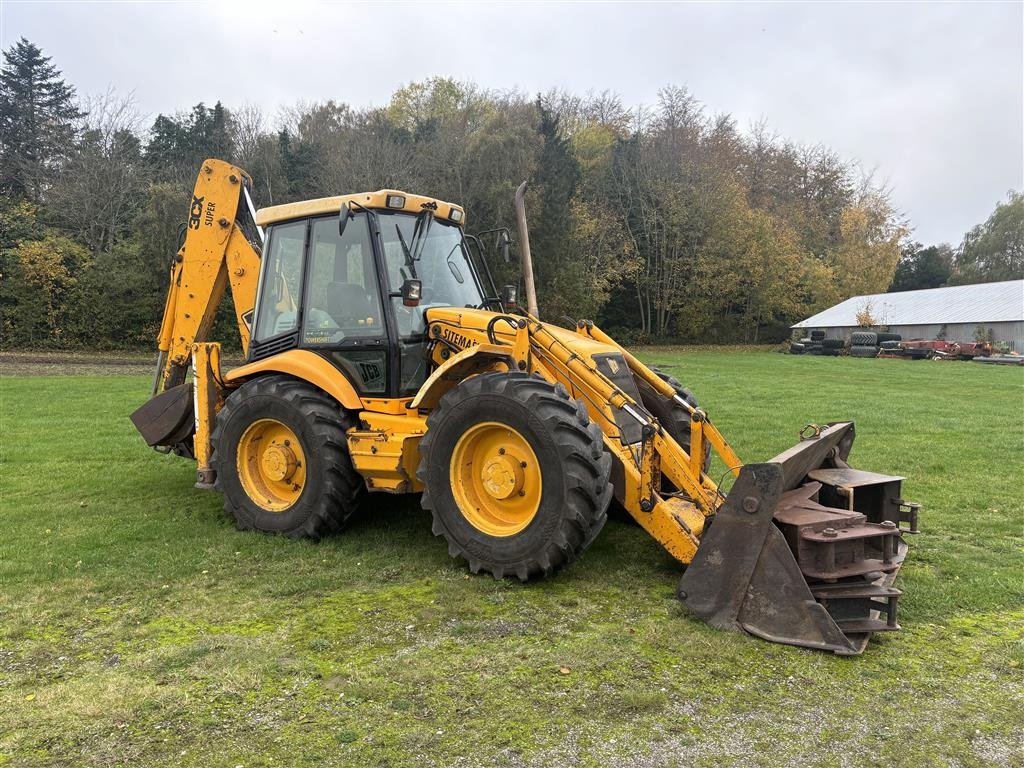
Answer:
[(957, 313)]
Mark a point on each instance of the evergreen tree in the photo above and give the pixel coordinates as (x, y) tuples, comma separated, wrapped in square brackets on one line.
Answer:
[(297, 162), (556, 179), (921, 267), (178, 144), (38, 120)]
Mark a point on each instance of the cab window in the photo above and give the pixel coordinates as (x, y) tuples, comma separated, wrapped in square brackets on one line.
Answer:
[(433, 252), (342, 297), (280, 293)]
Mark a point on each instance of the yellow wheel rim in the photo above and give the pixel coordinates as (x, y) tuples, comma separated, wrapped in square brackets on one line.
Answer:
[(271, 465), (495, 479)]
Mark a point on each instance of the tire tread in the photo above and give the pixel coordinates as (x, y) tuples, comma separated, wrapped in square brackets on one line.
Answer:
[(580, 446), (343, 486)]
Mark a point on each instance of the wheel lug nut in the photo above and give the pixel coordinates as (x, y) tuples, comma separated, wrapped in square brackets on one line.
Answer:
[(501, 451)]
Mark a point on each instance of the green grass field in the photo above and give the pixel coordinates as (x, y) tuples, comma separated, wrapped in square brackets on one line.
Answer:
[(138, 628)]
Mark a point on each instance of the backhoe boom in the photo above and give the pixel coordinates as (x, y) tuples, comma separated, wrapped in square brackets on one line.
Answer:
[(215, 254)]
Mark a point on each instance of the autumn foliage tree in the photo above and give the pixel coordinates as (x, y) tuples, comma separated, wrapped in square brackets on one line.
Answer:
[(663, 223), (994, 250)]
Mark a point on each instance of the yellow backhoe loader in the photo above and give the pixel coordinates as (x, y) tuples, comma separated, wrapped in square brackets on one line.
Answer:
[(381, 358)]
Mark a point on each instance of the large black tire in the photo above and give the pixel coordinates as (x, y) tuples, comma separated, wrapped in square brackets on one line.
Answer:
[(673, 417), (817, 335), (863, 351), (833, 344), (573, 465), (864, 339), (884, 337), (332, 486), (796, 348)]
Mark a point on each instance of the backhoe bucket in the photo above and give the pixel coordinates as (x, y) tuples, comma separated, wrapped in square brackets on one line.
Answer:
[(780, 562), (168, 419)]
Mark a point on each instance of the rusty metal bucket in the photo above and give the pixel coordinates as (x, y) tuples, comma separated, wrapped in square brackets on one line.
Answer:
[(778, 561), (168, 419)]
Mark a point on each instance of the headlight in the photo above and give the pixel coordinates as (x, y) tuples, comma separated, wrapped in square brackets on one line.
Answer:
[(455, 215), (396, 201)]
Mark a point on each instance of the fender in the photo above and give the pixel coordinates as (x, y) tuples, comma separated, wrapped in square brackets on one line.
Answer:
[(468, 362), (305, 365)]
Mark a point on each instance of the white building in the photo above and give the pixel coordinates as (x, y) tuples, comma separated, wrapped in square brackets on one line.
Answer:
[(954, 313)]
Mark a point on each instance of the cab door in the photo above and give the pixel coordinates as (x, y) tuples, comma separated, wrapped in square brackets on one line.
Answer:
[(320, 291)]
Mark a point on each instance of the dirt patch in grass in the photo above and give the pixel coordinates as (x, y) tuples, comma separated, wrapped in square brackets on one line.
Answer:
[(84, 363)]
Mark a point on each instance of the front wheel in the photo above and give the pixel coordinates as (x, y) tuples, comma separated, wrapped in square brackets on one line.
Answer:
[(281, 458), (515, 475)]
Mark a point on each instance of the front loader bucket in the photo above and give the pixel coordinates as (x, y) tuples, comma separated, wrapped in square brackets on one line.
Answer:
[(778, 563)]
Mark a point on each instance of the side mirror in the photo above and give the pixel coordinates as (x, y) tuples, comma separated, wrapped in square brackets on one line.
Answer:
[(343, 218), (509, 296), (412, 292), (503, 247)]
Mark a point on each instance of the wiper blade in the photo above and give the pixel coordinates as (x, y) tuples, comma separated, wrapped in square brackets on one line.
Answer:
[(405, 246), (419, 232)]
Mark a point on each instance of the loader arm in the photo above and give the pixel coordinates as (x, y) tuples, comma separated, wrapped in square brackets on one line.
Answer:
[(585, 362)]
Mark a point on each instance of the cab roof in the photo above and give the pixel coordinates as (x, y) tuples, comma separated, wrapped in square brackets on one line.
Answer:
[(377, 200)]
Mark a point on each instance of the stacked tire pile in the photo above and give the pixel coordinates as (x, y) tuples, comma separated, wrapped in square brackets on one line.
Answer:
[(868, 343), (832, 347), (817, 344), (862, 344)]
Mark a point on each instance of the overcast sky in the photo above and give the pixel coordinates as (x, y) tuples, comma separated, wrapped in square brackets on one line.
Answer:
[(929, 95)]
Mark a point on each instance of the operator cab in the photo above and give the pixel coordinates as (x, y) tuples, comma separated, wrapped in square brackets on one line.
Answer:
[(333, 284)]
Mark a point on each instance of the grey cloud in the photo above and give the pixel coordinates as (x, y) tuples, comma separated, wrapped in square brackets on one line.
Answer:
[(932, 96)]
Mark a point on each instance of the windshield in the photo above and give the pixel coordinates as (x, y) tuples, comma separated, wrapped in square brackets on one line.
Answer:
[(433, 251)]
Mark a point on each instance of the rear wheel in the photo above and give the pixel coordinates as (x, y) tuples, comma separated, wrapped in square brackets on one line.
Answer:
[(515, 475), (281, 458)]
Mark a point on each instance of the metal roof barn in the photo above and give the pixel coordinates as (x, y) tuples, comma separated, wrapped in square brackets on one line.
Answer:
[(954, 313)]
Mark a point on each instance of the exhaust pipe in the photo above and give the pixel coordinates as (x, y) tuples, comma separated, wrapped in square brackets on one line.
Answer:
[(524, 251)]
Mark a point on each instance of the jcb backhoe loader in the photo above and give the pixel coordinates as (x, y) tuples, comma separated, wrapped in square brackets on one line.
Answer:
[(381, 358)]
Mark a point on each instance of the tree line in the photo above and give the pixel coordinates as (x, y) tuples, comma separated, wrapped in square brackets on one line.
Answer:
[(663, 222)]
